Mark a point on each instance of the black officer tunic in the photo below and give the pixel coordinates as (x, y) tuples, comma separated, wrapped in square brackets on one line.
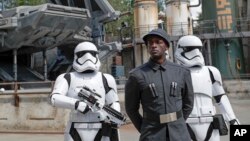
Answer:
[(160, 89)]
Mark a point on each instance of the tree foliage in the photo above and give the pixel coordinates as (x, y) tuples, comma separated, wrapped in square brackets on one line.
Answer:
[(124, 6), (6, 4)]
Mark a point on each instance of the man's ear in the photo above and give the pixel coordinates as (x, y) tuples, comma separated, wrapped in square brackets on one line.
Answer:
[(166, 48)]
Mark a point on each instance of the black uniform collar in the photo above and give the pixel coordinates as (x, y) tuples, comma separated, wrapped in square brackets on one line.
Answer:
[(156, 66)]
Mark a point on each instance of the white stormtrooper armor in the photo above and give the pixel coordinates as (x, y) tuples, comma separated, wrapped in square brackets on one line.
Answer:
[(207, 84), (85, 122), (86, 57), (188, 51)]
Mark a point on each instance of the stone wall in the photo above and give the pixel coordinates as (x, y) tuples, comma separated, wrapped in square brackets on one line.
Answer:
[(30, 113), (237, 88)]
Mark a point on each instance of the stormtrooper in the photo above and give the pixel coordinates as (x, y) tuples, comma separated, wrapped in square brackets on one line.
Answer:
[(86, 123), (203, 122)]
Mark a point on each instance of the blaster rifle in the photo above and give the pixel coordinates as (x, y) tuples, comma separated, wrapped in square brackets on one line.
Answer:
[(112, 114)]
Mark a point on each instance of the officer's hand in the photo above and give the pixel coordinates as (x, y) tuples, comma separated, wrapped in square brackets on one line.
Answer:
[(234, 122), (82, 107), (115, 125)]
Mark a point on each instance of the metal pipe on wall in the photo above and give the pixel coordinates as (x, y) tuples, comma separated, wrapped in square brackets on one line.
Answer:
[(45, 64), (209, 52), (15, 64)]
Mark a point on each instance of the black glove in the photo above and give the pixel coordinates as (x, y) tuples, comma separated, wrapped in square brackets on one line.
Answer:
[(234, 122)]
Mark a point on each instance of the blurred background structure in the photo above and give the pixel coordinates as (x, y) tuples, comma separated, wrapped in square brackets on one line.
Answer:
[(37, 39)]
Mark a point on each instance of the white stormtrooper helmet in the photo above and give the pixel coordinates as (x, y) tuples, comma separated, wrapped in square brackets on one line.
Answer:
[(188, 52), (86, 57)]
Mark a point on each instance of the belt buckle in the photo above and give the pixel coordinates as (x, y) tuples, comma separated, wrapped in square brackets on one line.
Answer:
[(165, 118)]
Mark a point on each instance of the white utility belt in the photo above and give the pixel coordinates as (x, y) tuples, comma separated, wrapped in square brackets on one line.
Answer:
[(163, 118), (89, 117), (88, 125), (199, 120)]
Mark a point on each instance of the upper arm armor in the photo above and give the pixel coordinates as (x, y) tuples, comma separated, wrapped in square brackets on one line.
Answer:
[(111, 95), (217, 81), (61, 85), (215, 74), (111, 82), (58, 96)]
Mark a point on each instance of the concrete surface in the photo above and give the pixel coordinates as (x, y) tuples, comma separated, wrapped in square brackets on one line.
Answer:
[(128, 132)]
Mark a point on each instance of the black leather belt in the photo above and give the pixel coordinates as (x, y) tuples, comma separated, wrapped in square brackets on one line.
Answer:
[(163, 118)]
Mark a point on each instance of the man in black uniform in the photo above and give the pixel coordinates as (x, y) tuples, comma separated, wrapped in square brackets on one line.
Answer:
[(165, 92)]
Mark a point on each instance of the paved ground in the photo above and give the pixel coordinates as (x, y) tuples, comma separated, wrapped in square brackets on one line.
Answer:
[(241, 108), (128, 132)]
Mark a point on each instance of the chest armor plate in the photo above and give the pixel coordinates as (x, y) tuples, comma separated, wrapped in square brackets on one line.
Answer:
[(90, 80), (201, 81), (202, 86)]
